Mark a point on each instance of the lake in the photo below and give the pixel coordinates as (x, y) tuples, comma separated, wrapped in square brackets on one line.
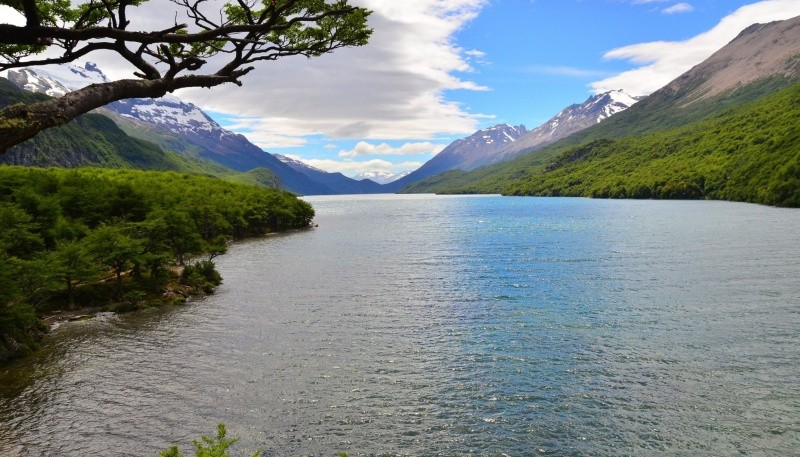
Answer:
[(436, 325)]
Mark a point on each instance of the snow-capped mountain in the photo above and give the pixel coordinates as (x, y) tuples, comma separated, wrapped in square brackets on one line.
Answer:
[(57, 80), (382, 177), (502, 142), (297, 164), (465, 154), (341, 183), (168, 112), (182, 127), (571, 119)]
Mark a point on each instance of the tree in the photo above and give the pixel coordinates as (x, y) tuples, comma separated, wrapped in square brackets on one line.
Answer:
[(209, 446), (74, 266), (114, 249), (233, 36)]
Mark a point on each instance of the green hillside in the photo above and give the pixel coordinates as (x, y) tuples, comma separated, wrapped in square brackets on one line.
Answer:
[(746, 151), (261, 177)]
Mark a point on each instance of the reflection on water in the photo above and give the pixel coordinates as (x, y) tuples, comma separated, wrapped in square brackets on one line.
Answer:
[(425, 325)]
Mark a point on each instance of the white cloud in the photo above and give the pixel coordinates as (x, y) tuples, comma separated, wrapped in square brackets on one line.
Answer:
[(352, 167), (392, 88), (11, 16), (364, 148), (678, 8), (663, 61)]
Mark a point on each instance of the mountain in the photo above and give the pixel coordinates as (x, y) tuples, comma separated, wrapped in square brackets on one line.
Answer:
[(382, 177), (572, 119), (463, 154), (57, 80), (725, 129), (338, 181), (503, 142), (182, 127), (91, 139)]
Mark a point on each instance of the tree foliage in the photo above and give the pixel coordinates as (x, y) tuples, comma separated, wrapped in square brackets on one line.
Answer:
[(218, 43), (89, 237), (207, 446)]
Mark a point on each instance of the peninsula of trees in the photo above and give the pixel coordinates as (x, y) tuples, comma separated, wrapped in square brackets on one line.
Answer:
[(118, 239)]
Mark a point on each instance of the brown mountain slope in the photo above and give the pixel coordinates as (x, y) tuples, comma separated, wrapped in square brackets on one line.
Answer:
[(760, 51)]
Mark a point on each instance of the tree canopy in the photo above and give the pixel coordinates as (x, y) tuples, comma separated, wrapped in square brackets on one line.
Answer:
[(210, 42)]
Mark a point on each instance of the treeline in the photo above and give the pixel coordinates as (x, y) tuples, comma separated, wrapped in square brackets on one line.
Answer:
[(111, 237)]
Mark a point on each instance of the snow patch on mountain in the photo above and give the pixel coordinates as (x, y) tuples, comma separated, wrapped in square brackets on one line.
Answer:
[(297, 163), (57, 80), (381, 177), (169, 112), (32, 82)]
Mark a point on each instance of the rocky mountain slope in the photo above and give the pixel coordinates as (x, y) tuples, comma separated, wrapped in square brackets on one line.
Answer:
[(571, 119), (760, 51)]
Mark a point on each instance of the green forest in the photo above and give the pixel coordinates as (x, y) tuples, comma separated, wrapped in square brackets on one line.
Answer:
[(119, 239), (749, 152)]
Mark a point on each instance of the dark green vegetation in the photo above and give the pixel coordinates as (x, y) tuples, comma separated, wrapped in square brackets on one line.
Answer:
[(117, 239), (208, 446), (744, 146)]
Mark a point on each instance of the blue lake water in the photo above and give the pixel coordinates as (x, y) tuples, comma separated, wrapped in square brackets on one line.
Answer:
[(430, 325)]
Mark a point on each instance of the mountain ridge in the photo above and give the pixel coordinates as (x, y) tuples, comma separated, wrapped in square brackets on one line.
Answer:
[(503, 142)]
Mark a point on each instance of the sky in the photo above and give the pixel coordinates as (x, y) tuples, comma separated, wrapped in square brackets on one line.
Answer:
[(438, 70)]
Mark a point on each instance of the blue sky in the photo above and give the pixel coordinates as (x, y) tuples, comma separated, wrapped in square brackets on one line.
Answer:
[(437, 70)]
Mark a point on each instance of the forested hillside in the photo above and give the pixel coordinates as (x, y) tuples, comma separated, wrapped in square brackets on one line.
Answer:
[(750, 154), (747, 153), (94, 237)]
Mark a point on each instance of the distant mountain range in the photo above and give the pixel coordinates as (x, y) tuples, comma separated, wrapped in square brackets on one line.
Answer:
[(382, 177), (726, 129), (341, 183), (182, 127), (463, 154), (503, 142), (571, 119)]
